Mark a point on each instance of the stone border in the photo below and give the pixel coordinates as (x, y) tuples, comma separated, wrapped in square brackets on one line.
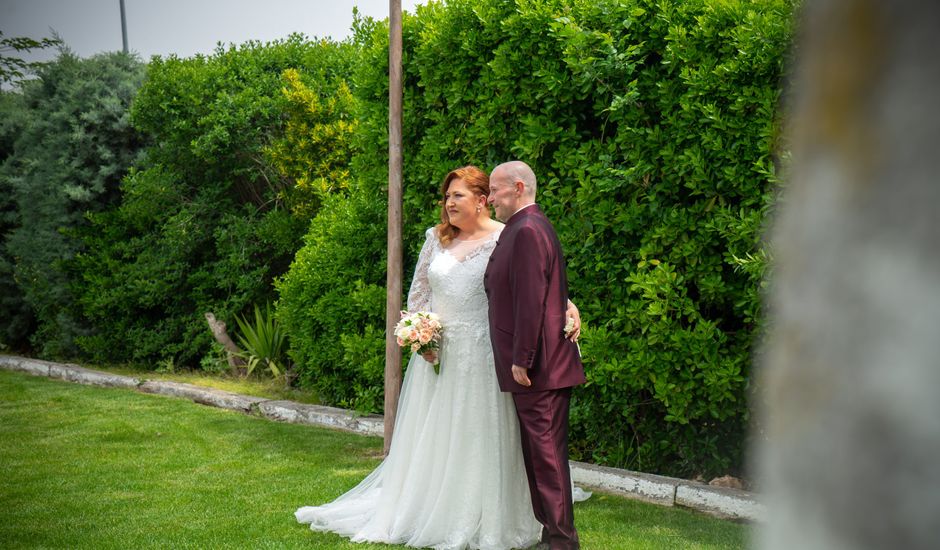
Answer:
[(205, 396), (646, 487), (667, 491), (319, 415), (720, 501)]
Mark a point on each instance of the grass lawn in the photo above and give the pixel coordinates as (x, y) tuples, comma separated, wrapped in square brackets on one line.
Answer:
[(86, 467)]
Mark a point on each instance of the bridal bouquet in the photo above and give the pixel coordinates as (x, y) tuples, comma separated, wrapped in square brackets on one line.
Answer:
[(420, 331)]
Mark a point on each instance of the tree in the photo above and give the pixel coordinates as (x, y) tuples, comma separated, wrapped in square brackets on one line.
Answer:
[(72, 145), (16, 319), (849, 453), (12, 67)]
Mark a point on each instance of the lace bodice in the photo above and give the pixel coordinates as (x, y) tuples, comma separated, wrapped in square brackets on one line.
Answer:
[(449, 281)]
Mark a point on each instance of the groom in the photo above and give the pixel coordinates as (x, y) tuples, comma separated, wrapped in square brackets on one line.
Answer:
[(527, 290)]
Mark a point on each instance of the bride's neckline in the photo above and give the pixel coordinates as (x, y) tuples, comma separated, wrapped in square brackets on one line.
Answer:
[(473, 240), (484, 237)]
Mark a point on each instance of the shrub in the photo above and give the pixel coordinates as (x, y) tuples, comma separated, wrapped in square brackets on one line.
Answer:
[(219, 206), (332, 302)]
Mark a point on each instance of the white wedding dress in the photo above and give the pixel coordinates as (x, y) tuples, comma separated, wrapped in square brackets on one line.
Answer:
[(454, 476)]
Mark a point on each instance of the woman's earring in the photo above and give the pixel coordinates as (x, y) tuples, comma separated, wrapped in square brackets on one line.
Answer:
[(478, 209)]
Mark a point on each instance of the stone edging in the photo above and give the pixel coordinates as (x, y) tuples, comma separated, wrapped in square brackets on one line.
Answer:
[(667, 491)]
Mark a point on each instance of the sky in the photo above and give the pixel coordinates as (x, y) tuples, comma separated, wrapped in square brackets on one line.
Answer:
[(181, 27)]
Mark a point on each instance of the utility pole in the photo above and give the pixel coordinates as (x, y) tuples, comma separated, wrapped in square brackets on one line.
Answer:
[(123, 26), (393, 275)]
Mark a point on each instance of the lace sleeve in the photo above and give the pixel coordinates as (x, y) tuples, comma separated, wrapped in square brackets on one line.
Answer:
[(419, 296)]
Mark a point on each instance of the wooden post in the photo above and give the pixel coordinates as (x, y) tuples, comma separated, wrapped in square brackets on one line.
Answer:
[(393, 277)]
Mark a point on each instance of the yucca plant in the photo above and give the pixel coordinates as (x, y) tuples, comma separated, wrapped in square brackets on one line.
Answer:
[(262, 342)]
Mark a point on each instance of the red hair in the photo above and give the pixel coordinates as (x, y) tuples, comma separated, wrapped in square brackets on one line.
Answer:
[(479, 184)]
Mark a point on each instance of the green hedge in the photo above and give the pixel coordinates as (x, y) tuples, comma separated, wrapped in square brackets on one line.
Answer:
[(219, 205), (651, 127)]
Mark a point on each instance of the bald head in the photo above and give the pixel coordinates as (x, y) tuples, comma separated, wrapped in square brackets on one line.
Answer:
[(516, 170), (512, 186)]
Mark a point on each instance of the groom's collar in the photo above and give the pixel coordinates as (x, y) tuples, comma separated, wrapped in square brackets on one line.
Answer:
[(523, 212)]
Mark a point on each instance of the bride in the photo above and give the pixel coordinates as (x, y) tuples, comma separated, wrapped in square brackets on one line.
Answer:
[(454, 476)]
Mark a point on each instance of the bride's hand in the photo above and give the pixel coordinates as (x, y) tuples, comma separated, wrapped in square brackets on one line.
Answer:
[(430, 356), (573, 316)]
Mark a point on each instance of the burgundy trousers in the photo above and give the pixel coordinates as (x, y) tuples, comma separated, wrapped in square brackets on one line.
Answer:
[(543, 420)]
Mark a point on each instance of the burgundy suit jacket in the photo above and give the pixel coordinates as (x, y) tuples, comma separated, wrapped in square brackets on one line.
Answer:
[(527, 289)]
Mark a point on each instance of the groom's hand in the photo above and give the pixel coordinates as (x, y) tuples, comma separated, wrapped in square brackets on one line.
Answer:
[(521, 376), (573, 322)]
